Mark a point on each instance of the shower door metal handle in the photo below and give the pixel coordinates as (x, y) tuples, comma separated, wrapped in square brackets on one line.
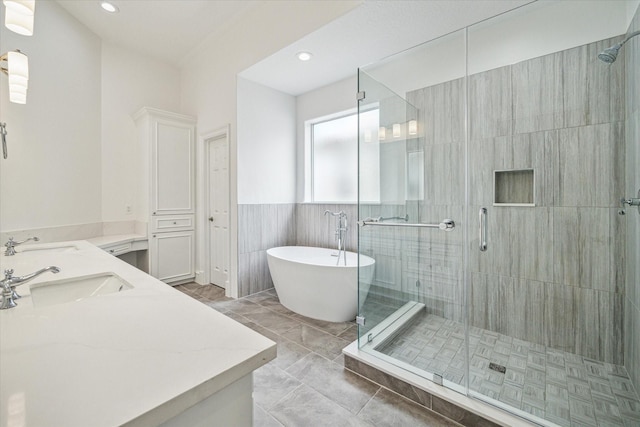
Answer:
[(444, 225), (483, 228)]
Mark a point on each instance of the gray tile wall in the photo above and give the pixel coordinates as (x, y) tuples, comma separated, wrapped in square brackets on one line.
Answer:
[(261, 227), (554, 273), (316, 229), (632, 300)]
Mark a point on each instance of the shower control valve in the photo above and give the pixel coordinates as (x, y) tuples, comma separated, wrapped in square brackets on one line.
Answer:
[(630, 202), (633, 201)]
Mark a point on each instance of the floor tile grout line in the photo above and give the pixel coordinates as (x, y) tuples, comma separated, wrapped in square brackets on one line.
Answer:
[(301, 323), (293, 316), (330, 397), (284, 397), (266, 411), (370, 399)]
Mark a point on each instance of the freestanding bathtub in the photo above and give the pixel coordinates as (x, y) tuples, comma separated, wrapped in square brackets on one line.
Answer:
[(309, 282)]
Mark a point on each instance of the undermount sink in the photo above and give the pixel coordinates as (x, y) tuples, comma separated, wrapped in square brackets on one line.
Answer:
[(76, 289), (52, 249)]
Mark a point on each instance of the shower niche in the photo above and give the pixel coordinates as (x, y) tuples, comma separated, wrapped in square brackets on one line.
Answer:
[(513, 187)]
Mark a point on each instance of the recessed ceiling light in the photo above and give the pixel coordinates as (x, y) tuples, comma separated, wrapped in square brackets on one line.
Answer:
[(109, 7), (304, 56)]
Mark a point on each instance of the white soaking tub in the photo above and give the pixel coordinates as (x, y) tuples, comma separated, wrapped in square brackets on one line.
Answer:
[(309, 282)]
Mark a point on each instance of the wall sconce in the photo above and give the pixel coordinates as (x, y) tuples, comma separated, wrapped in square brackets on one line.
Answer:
[(18, 72), (413, 127), (382, 133), (397, 133), (19, 16)]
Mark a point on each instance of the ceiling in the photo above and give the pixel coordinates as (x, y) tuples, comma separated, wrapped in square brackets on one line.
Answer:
[(368, 33), (163, 29)]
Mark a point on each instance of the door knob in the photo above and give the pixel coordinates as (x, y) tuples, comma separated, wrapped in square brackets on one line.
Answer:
[(210, 219)]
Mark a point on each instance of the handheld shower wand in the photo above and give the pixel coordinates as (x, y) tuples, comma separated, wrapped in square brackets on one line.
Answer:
[(3, 132)]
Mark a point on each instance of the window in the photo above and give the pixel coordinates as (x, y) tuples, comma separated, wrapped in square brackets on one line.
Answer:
[(334, 159)]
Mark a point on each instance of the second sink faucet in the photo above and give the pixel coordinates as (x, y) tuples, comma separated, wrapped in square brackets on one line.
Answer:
[(9, 283), (341, 233), (11, 245)]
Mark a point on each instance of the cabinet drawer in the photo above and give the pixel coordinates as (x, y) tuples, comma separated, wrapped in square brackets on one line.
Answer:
[(172, 223), (118, 249)]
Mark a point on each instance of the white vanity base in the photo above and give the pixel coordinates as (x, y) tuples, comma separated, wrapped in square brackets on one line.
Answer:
[(231, 406)]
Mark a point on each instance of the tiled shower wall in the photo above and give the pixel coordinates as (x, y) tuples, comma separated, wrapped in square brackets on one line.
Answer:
[(632, 300), (553, 273), (261, 227)]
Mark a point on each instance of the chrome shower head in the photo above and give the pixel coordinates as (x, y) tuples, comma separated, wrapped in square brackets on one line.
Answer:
[(609, 55)]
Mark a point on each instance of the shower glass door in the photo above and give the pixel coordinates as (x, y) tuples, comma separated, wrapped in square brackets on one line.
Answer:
[(530, 302), (546, 141), (413, 307)]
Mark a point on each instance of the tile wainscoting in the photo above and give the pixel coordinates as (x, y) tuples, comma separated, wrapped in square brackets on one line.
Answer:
[(261, 227)]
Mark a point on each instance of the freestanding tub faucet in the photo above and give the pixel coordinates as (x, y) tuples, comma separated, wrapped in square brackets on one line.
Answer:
[(341, 233), (11, 245), (9, 283)]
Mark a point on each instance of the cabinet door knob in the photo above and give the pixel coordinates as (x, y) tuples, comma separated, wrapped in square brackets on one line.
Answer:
[(211, 219), (174, 222)]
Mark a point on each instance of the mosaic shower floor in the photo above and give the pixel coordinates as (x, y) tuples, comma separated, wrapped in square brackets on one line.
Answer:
[(564, 388)]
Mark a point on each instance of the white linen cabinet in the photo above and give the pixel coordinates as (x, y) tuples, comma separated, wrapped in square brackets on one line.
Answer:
[(166, 202)]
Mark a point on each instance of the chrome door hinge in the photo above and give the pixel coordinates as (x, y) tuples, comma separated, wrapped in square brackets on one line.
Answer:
[(360, 95), (360, 320)]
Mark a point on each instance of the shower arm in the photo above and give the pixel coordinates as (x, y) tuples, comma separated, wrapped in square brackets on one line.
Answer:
[(632, 35)]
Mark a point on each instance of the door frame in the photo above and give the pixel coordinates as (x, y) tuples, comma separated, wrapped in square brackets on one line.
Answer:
[(203, 276)]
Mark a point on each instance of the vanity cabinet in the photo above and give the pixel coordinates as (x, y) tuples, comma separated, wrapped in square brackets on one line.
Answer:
[(166, 147), (172, 256)]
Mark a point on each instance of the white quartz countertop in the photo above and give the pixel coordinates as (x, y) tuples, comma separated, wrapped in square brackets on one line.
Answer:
[(102, 241), (137, 357)]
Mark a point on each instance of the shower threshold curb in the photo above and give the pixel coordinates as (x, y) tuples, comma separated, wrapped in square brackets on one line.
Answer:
[(448, 403)]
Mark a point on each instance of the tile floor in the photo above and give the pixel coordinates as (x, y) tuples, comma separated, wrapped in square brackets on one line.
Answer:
[(307, 385), (564, 388)]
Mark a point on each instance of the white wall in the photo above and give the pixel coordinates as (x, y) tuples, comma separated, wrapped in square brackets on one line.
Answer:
[(327, 100), (73, 145), (266, 145), (208, 82), (130, 81), (53, 174)]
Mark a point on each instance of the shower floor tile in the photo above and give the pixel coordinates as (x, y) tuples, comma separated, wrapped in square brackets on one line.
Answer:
[(563, 388)]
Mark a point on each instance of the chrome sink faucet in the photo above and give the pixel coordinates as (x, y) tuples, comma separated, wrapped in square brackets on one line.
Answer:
[(9, 283), (11, 245), (341, 233)]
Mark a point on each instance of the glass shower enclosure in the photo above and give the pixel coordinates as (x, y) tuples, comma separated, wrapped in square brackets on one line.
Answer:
[(490, 189)]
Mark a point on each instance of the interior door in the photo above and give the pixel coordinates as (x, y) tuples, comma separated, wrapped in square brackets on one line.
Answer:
[(218, 181)]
